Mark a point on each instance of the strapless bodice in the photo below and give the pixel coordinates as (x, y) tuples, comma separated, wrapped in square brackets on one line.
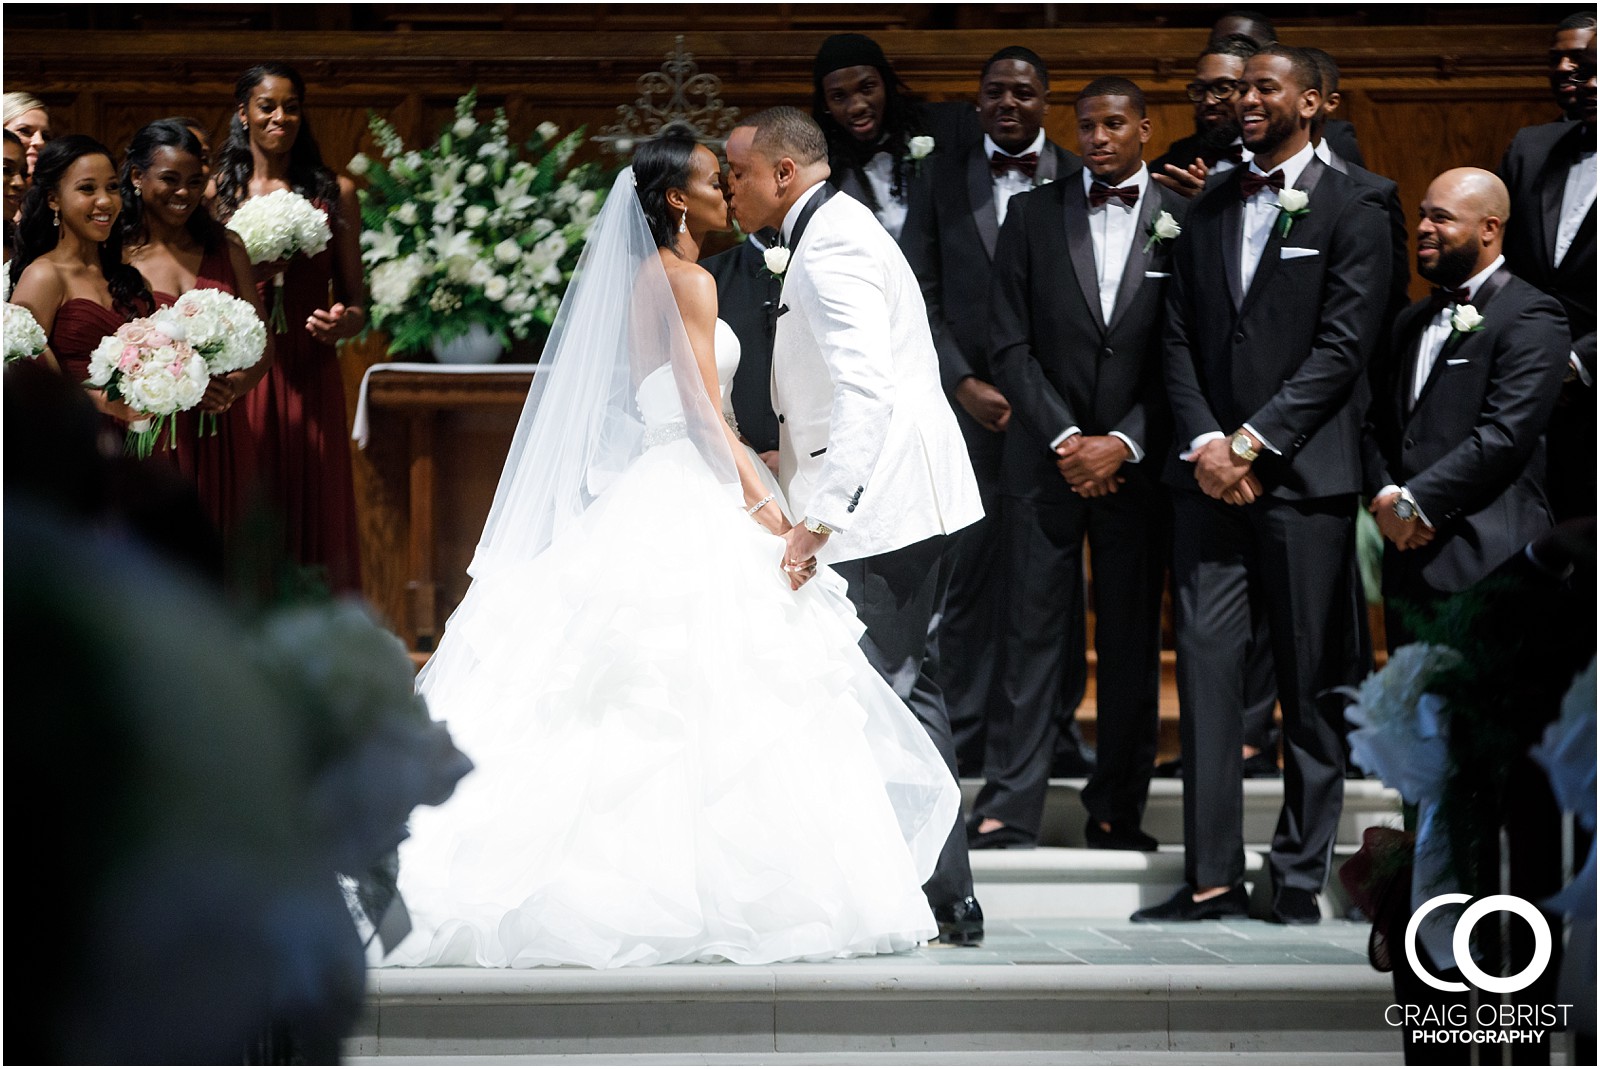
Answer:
[(658, 399)]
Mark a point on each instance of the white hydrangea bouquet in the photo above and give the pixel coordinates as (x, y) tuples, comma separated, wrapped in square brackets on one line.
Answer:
[(276, 226), (225, 330), (154, 373), (464, 232), (24, 337)]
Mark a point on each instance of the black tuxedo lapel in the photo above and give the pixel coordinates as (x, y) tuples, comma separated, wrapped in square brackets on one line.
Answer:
[(818, 199), (1480, 301), (1552, 184), (1138, 258), (980, 190), (1080, 249), (1231, 236), (1048, 161), (1270, 255)]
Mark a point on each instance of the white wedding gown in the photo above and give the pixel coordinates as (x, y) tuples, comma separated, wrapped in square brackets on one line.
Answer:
[(678, 758)]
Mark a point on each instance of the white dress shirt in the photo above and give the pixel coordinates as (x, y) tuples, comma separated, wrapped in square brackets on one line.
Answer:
[(891, 209), (1429, 346), (1576, 200), (1113, 228), (1259, 217), (1011, 183)]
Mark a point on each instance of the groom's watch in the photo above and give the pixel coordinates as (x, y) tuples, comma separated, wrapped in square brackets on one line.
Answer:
[(817, 527)]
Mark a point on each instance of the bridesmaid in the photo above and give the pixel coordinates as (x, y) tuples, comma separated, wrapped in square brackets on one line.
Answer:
[(170, 237), (298, 414), (68, 268), (26, 116)]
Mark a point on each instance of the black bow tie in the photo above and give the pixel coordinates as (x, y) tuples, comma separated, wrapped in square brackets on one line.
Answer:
[(1025, 164), (1444, 298), (1100, 193), (1253, 183)]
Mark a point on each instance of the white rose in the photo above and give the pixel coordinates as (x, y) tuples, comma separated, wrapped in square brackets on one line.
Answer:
[(547, 130), (444, 213), (495, 288), (474, 215), (407, 213), (1466, 319), (777, 259), (1166, 227), (477, 173), (464, 126), (359, 164), (480, 272), (1293, 200), (919, 147), (507, 252)]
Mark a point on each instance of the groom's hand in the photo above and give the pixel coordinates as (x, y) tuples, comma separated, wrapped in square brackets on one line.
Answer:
[(800, 548)]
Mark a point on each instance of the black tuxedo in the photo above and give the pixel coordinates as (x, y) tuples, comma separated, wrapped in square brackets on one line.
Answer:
[(949, 239), (1399, 228), (1286, 356), (953, 125), (745, 292), (1063, 365), (1470, 449), (1535, 171)]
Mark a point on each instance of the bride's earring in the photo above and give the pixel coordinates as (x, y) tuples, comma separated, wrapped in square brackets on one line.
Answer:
[(683, 224), (57, 221), (138, 191)]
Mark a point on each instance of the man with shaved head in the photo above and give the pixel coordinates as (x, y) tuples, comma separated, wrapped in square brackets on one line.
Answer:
[(1453, 445)]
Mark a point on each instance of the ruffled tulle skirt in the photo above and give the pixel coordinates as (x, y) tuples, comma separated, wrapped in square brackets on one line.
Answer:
[(677, 757)]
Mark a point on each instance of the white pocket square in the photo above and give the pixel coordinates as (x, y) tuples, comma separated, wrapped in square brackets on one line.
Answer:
[(1290, 253), (1158, 274), (1456, 362)]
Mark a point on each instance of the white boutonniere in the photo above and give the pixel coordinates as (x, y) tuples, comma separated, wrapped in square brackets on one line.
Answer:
[(1465, 320), (1162, 228), (917, 150), (1292, 204), (776, 258)]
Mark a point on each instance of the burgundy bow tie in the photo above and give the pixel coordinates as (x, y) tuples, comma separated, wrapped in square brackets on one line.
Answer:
[(1099, 193), (1253, 183), (1443, 298), (1025, 164)]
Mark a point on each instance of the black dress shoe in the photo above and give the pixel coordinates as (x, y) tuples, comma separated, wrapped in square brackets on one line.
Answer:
[(1293, 905), (1005, 837), (1172, 769), (960, 923), (1120, 837), (1182, 907)]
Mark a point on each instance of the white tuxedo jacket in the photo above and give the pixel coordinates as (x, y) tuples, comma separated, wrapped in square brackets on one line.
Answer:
[(867, 442)]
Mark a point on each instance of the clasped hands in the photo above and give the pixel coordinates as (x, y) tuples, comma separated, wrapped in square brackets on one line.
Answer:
[(1089, 463), (800, 548), (1224, 475), (1405, 534)]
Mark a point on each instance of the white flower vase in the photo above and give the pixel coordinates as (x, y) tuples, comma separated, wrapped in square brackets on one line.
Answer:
[(476, 346)]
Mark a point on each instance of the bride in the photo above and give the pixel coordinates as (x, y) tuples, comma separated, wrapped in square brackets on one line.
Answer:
[(682, 754)]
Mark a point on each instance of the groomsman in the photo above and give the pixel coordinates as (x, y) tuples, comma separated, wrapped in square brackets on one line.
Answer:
[(1275, 305), (1550, 242), (747, 300), (1080, 283), (949, 239), (1454, 442), (1215, 142)]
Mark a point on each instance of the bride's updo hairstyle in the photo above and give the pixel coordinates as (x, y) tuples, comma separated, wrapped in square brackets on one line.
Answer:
[(659, 165), (38, 226)]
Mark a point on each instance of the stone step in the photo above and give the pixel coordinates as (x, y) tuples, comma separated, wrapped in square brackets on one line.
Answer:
[(1366, 803), (888, 1010)]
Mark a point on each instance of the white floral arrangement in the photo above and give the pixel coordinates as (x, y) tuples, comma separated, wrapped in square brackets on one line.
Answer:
[(465, 232), (25, 339), (276, 226), (154, 373)]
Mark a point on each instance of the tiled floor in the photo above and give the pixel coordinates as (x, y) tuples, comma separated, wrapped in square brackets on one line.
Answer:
[(1089, 942)]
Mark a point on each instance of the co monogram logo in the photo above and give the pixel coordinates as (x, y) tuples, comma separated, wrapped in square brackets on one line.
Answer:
[(1460, 943)]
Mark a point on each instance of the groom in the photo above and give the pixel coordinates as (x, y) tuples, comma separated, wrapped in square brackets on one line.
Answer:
[(869, 453)]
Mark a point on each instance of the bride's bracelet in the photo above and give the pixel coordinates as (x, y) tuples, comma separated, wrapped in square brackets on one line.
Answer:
[(759, 505)]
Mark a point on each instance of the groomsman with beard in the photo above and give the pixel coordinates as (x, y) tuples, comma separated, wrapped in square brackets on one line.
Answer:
[(1454, 442), (949, 239), (1550, 243), (1276, 303), (1079, 290), (1215, 141)]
